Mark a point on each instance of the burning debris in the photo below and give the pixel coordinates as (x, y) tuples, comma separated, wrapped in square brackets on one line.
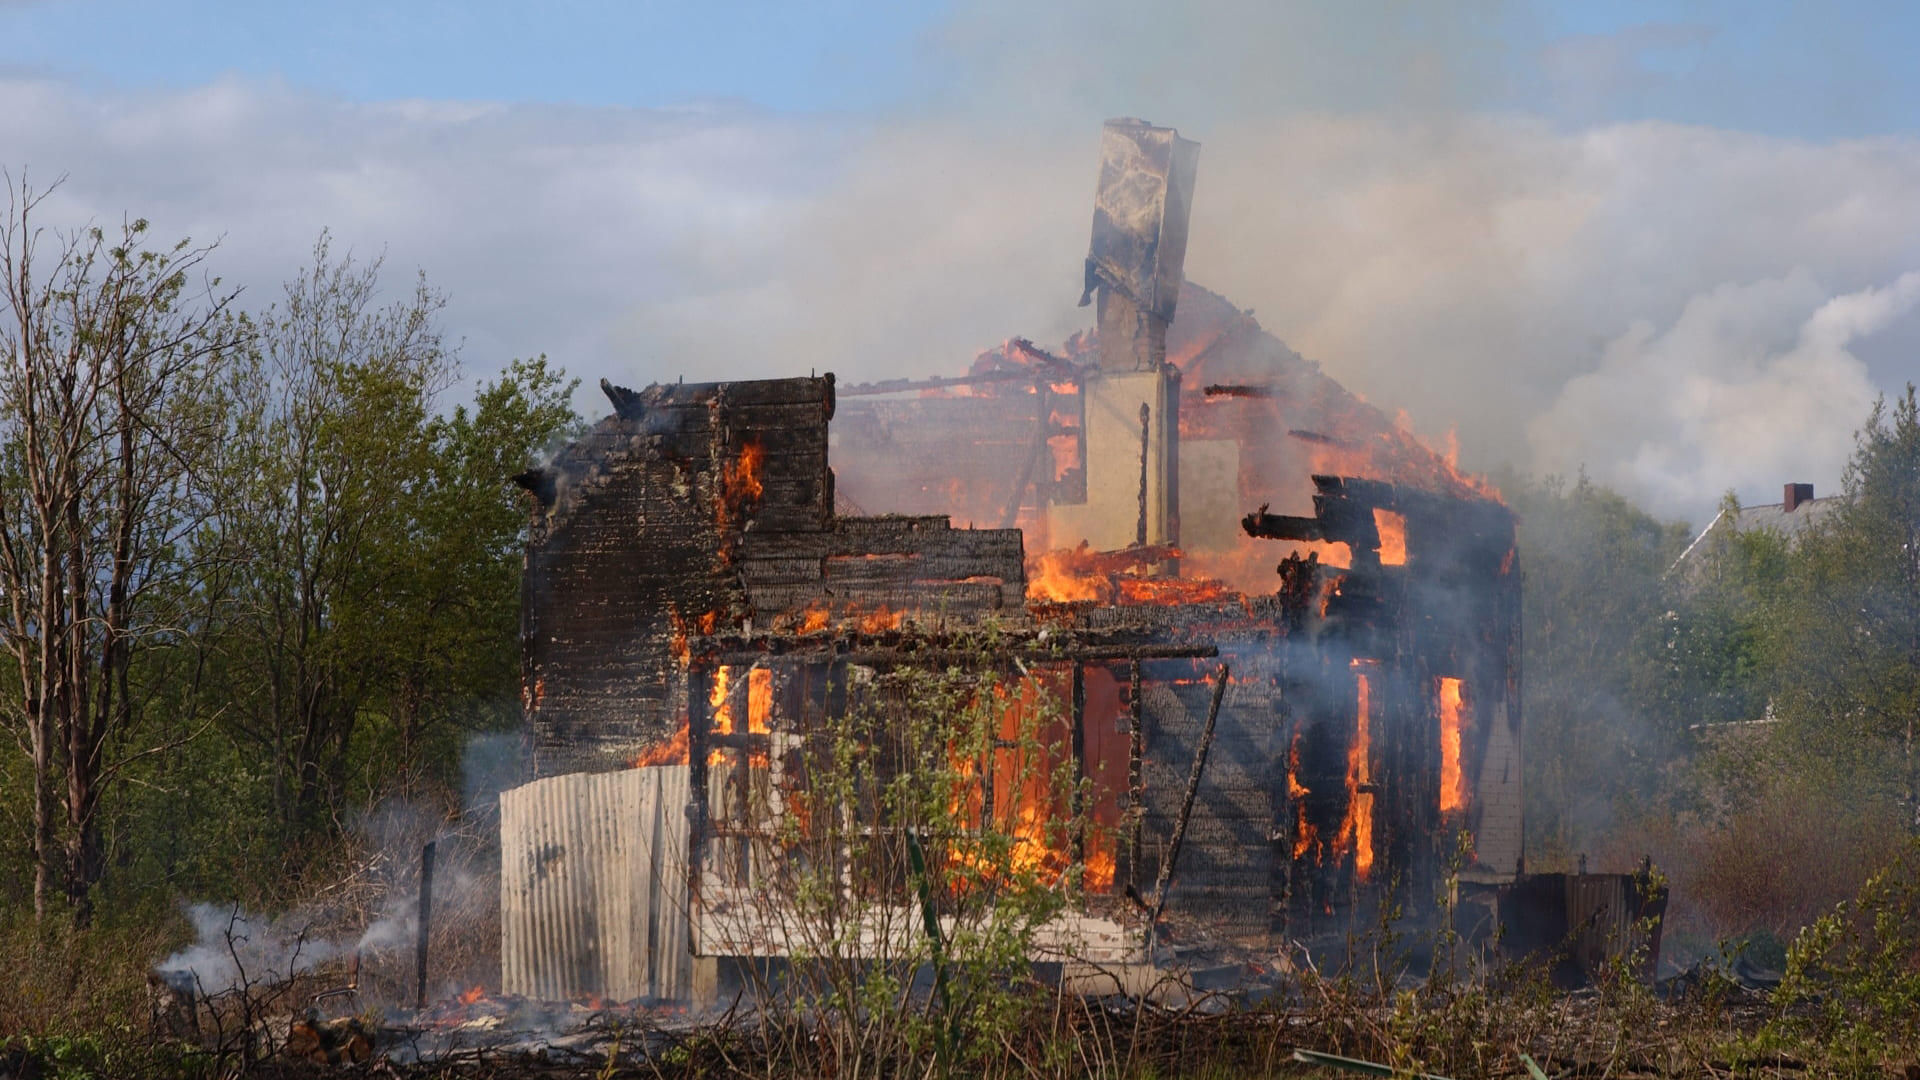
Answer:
[(700, 609)]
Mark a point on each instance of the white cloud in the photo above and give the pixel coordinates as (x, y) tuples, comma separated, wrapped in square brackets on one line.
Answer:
[(543, 223), (1489, 272), (1752, 386)]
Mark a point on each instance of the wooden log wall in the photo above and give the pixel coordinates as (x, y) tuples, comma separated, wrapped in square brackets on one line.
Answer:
[(648, 531)]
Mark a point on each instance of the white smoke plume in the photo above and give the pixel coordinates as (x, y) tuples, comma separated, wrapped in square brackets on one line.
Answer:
[(366, 900), (1751, 384), (233, 948)]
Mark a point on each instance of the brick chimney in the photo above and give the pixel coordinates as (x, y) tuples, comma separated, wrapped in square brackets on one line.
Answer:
[(1795, 495)]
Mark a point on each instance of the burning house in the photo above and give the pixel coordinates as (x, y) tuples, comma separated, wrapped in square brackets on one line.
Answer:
[(1216, 551)]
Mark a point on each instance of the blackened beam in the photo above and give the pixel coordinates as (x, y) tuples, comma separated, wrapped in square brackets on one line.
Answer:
[(852, 649), (1317, 437), (741, 740), (1265, 526), (1077, 725), (1136, 789), (1090, 655), (1260, 390), (1051, 368), (1372, 492), (699, 730), (424, 923)]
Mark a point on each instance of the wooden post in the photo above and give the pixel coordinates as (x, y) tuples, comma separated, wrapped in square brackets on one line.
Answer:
[(698, 725), (1136, 789), (1146, 442), (1077, 736), (426, 923)]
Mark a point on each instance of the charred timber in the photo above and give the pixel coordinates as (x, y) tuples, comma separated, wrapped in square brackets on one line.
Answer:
[(640, 405), (1065, 373), (883, 656), (1316, 437), (1264, 526), (1240, 391)]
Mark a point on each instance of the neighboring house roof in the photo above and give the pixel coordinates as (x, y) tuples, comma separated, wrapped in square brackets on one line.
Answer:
[(1774, 516)]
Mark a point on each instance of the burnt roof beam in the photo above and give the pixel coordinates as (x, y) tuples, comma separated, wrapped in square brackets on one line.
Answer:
[(1264, 526)]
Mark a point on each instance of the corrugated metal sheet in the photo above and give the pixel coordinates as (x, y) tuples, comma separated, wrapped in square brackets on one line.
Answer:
[(593, 886), (1607, 915)]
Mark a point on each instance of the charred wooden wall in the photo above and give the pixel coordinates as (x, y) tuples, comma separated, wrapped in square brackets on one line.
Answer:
[(697, 508), (1450, 610), (873, 567), (635, 541), (1224, 876)]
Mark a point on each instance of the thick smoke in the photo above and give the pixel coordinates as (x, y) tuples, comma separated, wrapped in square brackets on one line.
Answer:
[(370, 906), (233, 948), (1439, 210), (1751, 385)]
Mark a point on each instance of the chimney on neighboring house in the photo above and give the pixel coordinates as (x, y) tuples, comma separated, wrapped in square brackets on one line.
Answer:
[(1795, 495)]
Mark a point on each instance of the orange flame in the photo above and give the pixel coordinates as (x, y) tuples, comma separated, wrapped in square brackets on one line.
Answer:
[(1174, 591), (472, 995), (1453, 781), (739, 483), (1067, 574), (1393, 537), (718, 698), (1332, 553), (684, 630), (673, 751), (1359, 443), (1099, 867), (1026, 806), (1331, 590), (759, 710), (877, 621), (1022, 810), (1356, 829), (759, 699), (1305, 836)]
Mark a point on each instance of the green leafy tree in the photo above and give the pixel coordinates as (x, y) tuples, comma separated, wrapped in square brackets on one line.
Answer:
[(110, 417), (327, 461), (460, 668), (1842, 630), (375, 541)]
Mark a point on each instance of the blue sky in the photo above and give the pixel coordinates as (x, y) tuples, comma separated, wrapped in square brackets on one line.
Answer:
[(1799, 69), (1676, 244), (790, 56)]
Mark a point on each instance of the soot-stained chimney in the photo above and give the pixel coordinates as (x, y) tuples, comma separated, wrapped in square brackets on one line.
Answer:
[(1137, 258), (1795, 495), (1130, 419)]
